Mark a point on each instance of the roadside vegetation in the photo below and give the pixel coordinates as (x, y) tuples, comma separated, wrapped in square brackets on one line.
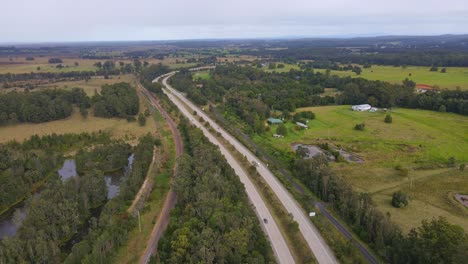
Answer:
[(212, 213)]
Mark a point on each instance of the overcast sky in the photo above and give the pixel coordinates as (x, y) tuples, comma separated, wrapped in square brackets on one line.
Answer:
[(95, 20)]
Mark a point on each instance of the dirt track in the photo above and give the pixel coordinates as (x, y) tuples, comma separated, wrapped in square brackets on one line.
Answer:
[(171, 198)]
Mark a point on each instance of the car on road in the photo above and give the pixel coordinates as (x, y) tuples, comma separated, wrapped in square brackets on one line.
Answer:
[(265, 220)]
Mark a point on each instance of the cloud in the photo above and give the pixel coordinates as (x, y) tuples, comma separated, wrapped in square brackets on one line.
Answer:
[(69, 20)]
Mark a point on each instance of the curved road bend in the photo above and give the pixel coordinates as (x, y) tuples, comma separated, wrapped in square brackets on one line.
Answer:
[(278, 243), (169, 203), (317, 244)]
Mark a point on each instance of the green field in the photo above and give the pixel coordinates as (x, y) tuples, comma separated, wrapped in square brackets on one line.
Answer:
[(421, 141), (455, 76), (202, 75)]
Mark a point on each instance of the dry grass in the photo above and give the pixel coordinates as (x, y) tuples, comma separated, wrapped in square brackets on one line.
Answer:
[(119, 128), (429, 197)]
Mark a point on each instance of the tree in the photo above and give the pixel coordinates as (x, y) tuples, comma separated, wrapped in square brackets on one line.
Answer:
[(55, 60), (141, 119), (282, 130), (436, 241), (399, 199), (442, 108), (98, 65), (388, 119), (83, 111)]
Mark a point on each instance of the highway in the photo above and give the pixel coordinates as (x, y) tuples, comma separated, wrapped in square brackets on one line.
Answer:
[(318, 246), (278, 243)]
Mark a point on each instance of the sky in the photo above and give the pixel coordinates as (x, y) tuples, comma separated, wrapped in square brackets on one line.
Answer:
[(109, 20)]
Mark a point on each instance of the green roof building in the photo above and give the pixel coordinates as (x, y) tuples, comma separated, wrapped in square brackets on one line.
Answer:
[(274, 121)]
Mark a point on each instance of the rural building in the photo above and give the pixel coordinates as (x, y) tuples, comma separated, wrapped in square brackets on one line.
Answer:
[(363, 107), (422, 88), (274, 121), (302, 125)]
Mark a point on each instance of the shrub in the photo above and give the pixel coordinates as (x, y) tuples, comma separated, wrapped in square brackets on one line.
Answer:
[(451, 161), (360, 127), (281, 130), (55, 60), (399, 199), (461, 167), (388, 118), (141, 119)]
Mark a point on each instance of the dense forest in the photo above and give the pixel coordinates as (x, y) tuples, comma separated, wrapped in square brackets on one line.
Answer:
[(40, 106), (436, 241), (393, 56), (116, 100), (213, 221), (67, 208)]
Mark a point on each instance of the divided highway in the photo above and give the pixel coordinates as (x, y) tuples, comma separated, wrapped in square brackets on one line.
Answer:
[(279, 245), (313, 238)]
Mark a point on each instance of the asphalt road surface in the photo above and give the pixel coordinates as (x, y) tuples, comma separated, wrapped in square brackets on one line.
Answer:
[(320, 249), (278, 243)]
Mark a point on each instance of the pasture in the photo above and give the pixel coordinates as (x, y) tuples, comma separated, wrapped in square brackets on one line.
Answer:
[(417, 140), (453, 78)]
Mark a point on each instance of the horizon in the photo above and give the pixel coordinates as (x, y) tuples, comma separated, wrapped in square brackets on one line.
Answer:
[(147, 20), (290, 38)]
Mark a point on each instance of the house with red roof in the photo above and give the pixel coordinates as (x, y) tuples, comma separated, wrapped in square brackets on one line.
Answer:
[(422, 88)]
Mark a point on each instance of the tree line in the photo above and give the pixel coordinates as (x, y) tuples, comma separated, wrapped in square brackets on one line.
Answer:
[(435, 241), (368, 55), (213, 221), (40, 106), (116, 100)]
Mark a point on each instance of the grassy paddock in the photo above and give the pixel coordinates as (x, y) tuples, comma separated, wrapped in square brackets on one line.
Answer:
[(455, 76), (419, 140)]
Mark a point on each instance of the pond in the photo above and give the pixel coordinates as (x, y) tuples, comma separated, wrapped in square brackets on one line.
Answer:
[(10, 222)]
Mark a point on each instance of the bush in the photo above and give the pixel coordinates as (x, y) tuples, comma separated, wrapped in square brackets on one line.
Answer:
[(141, 119), (388, 119), (451, 161), (360, 127), (281, 130), (399, 199), (55, 60), (461, 167)]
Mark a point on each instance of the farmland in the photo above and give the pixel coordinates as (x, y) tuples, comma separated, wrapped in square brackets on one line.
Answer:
[(453, 78), (421, 141)]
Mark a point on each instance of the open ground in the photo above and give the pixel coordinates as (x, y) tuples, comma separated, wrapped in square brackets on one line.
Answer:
[(417, 140)]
